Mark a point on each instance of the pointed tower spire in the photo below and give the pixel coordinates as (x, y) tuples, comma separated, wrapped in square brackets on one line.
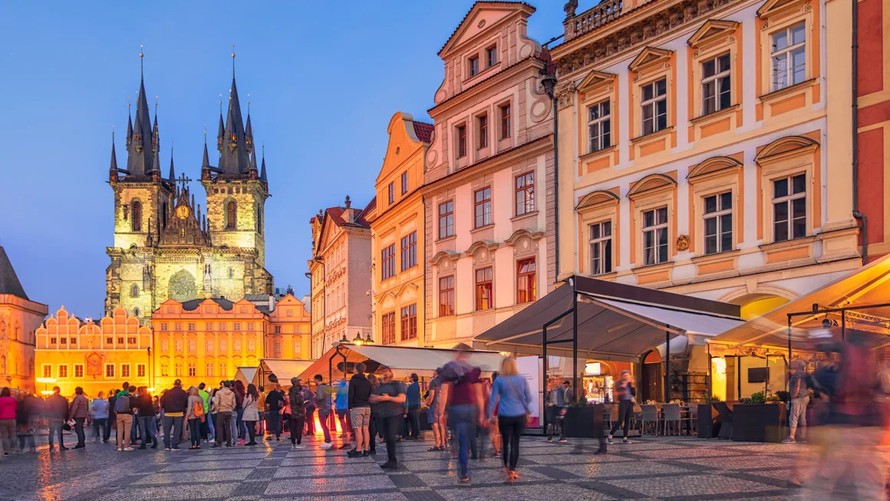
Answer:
[(248, 130), (156, 164), (263, 168), (222, 128), (155, 135), (172, 176), (112, 171), (129, 122), (234, 159), (139, 161)]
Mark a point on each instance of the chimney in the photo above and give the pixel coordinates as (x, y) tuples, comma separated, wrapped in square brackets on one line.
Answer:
[(349, 213), (271, 303)]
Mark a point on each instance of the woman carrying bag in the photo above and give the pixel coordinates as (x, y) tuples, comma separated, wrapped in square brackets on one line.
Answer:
[(195, 416), (512, 396)]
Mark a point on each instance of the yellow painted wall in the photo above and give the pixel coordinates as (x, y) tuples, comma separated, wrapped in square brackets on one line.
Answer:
[(19, 319)]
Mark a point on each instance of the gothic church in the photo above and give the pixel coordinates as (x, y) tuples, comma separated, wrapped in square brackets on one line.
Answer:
[(164, 246)]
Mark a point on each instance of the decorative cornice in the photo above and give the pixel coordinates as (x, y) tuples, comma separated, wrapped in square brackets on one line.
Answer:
[(523, 233)]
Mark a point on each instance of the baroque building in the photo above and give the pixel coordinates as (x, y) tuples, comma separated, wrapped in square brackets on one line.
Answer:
[(19, 319), (164, 246)]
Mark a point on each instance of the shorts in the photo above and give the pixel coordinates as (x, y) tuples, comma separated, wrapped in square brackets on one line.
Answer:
[(360, 417)]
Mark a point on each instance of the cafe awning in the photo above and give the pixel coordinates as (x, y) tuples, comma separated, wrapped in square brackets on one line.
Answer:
[(614, 321), (246, 374), (401, 359), (284, 369), (859, 300)]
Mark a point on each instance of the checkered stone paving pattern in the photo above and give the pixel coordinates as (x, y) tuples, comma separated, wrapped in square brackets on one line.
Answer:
[(648, 468)]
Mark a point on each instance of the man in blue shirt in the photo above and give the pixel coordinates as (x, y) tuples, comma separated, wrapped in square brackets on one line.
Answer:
[(413, 401), (341, 405)]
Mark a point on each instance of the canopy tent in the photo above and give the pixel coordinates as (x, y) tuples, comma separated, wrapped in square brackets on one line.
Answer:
[(283, 369), (402, 360), (856, 300), (246, 375)]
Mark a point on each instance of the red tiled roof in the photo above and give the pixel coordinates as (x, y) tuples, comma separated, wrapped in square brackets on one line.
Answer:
[(424, 131)]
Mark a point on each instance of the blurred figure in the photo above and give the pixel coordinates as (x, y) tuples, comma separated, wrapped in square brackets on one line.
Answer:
[(99, 415), (79, 411), (434, 389), (56, 411), (26, 418), (624, 392), (800, 397), (413, 400), (511, 394), (251, 413), (8, 407), (465, 407), (297, 413), (323, 404)]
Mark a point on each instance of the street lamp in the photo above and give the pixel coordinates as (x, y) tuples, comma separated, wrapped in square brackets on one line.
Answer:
[(358, 339), (368, 339), (343, 339)]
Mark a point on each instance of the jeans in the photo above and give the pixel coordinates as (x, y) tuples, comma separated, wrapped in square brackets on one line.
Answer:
[(224, 428), (556, 421), (323, 418), (414, 422), (511, 428), (236, 424), (390, 426), (211, 429), (147, 428), (112, 418), (55, 428), (103, 424), (462, 419), (124, 421), (373, 428), (172, 431), (296, 429), (195, 432), (134, 429), (625, 411), (78, 430), (310, 421), (273, 420)]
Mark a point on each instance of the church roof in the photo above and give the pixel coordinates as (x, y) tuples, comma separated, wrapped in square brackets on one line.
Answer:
[(192, 304), (9, 282)]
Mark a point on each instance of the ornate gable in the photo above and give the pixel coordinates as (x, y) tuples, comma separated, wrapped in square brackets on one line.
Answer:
[(650, 183), (480, 17), (598, 197), (786, 146), (712, 166), (650, 56), (712, 29), (595, 79), (771, 7)]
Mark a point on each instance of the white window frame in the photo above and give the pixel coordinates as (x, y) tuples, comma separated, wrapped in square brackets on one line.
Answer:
[(718, 216), (113, 371), (66, 375), (714, 81), (653, 103), (599, 265), (788, 200), (786, 54), (601, 138), (655, 229), (125, 368)]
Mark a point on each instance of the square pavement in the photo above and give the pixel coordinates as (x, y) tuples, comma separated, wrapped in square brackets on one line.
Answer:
[(649, 468)]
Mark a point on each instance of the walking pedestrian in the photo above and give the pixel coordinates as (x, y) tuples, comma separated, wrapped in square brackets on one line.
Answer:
[(297, 413), (79, 411), (512, 397), (27, 415), (624, 392), (174, 402), (238, 430), (373, 424), (556, 404), (323, 404), (224, 401), (274, 404), (8, 411), (309, 399), (359, 393), (194, 415), (206, 424), (389, 396), (412, 399), (56, 411), (251, 413), (462, 395), (99, 415)]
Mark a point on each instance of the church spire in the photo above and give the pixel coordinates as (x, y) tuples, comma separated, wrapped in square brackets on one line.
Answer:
[(234, 159), (263, 168), (139, 150), (172, 177), (112, 170)]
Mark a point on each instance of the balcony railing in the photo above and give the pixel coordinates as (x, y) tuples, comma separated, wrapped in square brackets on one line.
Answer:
[(606, 11)]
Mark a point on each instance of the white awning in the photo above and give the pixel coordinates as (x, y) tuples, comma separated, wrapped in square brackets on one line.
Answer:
[(283, 369), (246, 374), (688, 321)]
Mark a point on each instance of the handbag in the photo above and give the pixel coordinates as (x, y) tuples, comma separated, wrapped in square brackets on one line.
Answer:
[(68, 425)]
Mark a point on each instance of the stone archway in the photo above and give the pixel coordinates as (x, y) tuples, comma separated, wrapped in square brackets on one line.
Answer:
[(182, 286)]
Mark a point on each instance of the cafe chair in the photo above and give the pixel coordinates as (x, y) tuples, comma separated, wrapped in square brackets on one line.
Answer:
[(671, 416), (649, 418)]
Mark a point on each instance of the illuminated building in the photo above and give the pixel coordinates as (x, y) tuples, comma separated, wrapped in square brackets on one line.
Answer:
[(19, 318)]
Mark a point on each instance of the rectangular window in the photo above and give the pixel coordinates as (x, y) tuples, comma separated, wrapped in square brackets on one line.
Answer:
[(599, 126), (63, 371), (78, 370), (223, 369), (164, 327), (52, 340), (63, 340), (717, 215), (120, 340), (506, 121), (388, 261), (131, 339), (125, 370), (484, 289), (715, 84), (461, 133), (209, 327), (404, 182), (526, 285), (177, 369), (601, 248), (790, 207), (47, 370), (491, 55), (236, 326), (446, 219), (108, 340), (525, 193), (109, 370), (473, 65), (277, 329), (482, 201), (191, 326), (249, 326), (655, 236), (140, 370), (654, 106), (177, 327), (388, 328), (208, 369), (193, 371), (789, 56), (391, 193), (446, 296), (482, 127), (165, 370), (409, 322), (409, 250)]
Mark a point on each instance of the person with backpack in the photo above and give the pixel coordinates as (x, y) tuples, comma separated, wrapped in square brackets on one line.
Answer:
[(465, 406), (124, 403), (195, 415), (297, 413), (511, 395), (145, 411), (224, 404)]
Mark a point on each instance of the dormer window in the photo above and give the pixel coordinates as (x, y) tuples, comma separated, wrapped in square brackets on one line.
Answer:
[(473, 63), (491, 55)]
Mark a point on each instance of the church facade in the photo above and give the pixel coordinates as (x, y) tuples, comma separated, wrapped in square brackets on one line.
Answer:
[(165, 246)]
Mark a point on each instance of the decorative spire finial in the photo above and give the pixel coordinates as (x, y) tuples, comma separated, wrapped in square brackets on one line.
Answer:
[(205, 135), (233, 61), (156, 107), (220, 104), (141, 61), (248, 104)]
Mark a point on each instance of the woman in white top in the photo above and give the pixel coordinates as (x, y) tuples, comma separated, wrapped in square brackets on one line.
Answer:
[(251, 413)]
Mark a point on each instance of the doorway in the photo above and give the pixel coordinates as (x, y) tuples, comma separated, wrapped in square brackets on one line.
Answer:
[(651, 387)]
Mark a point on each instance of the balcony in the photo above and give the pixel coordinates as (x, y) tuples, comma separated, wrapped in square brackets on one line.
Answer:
[(591, 19)]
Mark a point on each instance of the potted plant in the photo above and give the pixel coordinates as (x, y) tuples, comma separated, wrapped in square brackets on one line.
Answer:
[(583, 420), (757, 420)]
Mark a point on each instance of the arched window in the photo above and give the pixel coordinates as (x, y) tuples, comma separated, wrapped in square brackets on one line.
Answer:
[(134, 291), (135, 312), (231, 214), (136, 219)]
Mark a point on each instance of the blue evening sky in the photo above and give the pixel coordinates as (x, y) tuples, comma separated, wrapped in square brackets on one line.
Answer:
[(324, 79)]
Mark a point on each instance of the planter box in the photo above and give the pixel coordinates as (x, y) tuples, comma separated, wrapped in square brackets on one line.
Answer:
[(707, 420), (758, 422), (584, 422)]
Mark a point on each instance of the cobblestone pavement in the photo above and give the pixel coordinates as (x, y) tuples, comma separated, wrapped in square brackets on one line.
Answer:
[(650, 468)]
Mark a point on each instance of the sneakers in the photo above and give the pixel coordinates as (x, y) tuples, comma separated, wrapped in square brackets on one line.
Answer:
[(167, 449), (789, 440), (298, 446), (368, 453), (609, 440), (354, 454), (325, 446), (550, 439), (464, 480), (128, 449), (626, 441), (563, 441), (389, 465)]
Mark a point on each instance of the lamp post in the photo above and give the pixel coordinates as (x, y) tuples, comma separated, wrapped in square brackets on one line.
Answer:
[(150, 382)]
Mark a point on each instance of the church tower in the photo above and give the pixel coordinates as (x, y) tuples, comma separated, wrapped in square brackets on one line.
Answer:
[(142, 200)]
